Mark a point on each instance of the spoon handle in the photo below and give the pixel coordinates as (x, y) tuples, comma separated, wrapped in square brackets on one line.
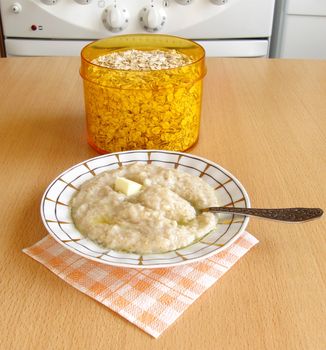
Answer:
[(284, 214)]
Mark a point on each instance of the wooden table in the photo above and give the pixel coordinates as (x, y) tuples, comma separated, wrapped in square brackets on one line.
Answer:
[(264, 120)]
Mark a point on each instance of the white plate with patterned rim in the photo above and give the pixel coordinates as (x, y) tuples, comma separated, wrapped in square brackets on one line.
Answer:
[(57, 219)]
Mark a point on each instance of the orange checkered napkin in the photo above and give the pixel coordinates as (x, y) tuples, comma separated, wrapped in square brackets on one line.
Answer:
[(152, 299)]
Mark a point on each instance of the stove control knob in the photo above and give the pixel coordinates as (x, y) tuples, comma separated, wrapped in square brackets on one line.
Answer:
[(184, 2), (115, 18), (49, 2), (16, 8), (152, 18), (83, 2), (219, 2)]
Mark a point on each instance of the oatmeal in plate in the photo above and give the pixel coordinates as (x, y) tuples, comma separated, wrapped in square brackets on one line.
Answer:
[(161, 214)]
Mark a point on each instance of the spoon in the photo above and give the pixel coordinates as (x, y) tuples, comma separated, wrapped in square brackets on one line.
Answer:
[(282, 214)]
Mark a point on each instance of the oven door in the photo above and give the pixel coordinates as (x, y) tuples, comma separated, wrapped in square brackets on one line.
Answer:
[(213, 48)]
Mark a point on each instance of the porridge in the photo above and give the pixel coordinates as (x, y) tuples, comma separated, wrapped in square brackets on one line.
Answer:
[(143, 208)]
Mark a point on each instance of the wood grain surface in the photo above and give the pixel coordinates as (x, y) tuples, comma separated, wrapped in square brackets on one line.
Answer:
[(263, 120)]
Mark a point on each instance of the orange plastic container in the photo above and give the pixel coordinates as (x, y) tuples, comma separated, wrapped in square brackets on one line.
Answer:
[(142, 109)]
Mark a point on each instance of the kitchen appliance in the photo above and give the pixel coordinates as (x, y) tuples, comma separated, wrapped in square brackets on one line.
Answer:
[(237, 28), (299, 29)]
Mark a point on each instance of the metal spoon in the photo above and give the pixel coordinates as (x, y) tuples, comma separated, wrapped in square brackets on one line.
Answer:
[(284, 214)]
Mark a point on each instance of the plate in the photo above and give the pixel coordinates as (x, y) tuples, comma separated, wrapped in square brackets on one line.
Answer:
[(57, 219)]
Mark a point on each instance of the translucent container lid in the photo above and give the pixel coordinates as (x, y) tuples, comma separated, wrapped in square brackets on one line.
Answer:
[(143, 79)]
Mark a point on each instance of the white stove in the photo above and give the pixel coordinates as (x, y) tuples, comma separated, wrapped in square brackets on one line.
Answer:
[(236, 28)]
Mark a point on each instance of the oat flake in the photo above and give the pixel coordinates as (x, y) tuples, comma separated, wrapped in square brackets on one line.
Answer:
[(143, 60)]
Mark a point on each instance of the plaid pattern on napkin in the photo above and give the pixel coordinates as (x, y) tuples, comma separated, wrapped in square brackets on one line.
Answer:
[(152, 299)]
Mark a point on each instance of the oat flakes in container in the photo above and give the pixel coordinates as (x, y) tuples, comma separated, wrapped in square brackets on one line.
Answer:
[(142, 91)]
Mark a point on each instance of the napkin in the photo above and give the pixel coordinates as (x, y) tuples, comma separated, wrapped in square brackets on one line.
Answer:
[(152, 299)]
